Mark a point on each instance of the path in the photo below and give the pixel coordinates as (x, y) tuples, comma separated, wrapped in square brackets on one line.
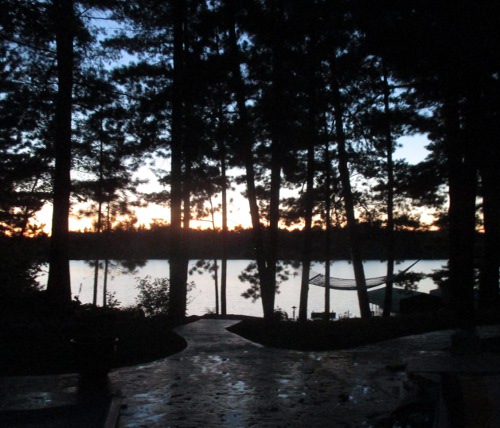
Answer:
[(223, 380)]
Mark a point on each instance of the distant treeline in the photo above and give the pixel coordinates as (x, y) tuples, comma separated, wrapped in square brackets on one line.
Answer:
[(154, 244)]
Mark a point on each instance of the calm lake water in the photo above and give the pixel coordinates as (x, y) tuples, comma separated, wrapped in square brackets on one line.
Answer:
[(122, 282)]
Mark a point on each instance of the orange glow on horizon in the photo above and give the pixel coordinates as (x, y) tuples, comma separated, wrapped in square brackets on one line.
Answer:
[(154, 214), (145, 218)]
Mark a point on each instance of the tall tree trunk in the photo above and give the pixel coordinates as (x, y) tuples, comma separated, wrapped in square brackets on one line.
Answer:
[(216, 286), (105, 283), (306, 254), (277, 125), (106, 260), (268, 289), (215, 262), (186, 218), (99, 215), (328, 222), (390, 198), (267, 281), (489, 277), (462, 193), (221, 144), (96, 282), (223, 278), (59, 282), (177, 302), (490, 180), (309, 196), (247, 154), (352, 227)]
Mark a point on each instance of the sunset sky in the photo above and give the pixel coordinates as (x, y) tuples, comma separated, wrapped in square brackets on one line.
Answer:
[(413, 150)]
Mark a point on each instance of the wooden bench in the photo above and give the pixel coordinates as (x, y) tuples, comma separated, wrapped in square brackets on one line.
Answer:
[(321, 316)]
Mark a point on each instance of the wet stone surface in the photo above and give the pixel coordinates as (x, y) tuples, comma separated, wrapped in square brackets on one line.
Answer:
[(223, 380)]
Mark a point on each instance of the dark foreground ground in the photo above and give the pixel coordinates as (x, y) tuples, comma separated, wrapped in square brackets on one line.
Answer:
[(221, 379), (41, 346), (346, 333)]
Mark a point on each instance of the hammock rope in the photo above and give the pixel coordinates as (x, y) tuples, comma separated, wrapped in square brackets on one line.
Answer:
[(350, 284)]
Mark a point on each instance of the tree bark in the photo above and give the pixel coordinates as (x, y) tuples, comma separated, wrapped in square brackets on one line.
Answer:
[(99, 214), (277, 125), (462, 195), (489, 277), (328, 223), (306, 254), (309, 196), (178, 287), (266, 278), (59, 281), (352, 227), (223, 278), (390, 199)]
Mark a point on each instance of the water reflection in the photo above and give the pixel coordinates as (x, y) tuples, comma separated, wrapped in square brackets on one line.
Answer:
[(202, 299)]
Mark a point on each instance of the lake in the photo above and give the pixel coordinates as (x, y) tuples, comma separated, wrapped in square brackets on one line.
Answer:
[(123, 283)]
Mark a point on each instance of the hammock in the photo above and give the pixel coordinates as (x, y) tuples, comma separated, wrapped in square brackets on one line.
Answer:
[(350, 284)]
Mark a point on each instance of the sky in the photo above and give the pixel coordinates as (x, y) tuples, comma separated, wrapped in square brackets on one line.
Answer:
[(412, 149)]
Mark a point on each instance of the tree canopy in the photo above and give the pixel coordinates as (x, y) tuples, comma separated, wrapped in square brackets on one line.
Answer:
[(299, 104)]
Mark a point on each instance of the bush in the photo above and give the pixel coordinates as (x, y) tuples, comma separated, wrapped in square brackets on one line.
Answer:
[(154, 295)]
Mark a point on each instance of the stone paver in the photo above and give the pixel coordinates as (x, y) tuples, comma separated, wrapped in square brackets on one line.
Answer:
[(223, 380)]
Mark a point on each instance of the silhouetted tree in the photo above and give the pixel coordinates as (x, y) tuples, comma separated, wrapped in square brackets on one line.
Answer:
[(451, 67), (59, 283), (312, 60), (25, 107)]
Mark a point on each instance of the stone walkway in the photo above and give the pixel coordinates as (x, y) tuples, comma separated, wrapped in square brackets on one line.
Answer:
[(223, 380)]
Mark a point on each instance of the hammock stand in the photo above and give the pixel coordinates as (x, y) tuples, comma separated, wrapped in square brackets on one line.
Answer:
[(350, 284)]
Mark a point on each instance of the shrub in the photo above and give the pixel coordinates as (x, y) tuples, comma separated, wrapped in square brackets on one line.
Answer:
[(111, 301), (154, 294)]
